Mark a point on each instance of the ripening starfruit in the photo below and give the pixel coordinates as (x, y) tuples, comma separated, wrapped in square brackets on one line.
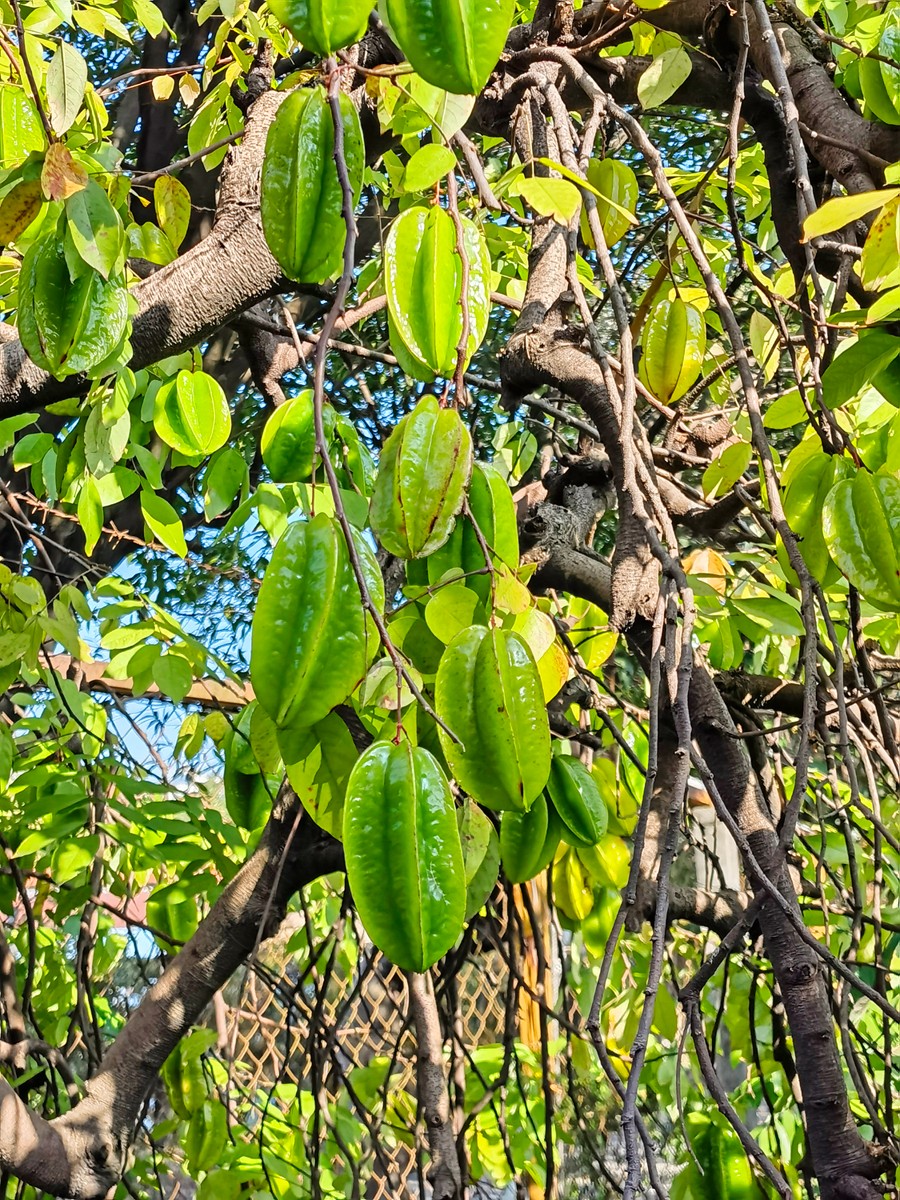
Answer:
[(311, 643), (423, 283), (454, 44), (488, 692), (68, 326), (494, 510), (860, 522), (673, 345), (301, 200), (575, 796), (572, 891), (617, 183), (403, 853), (422, 479), (323, 26)]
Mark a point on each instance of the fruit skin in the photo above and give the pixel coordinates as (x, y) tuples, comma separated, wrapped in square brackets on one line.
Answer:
[(404, 856), (422, 479), (488, 691), (454, 44), (323, 26), (288, 442), (576, 798), (311, 643), (522, 838), (572, 891), (300, 192), (673, 345)]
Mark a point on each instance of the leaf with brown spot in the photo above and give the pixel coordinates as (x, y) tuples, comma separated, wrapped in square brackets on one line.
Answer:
[(62, 176), (18, 209)]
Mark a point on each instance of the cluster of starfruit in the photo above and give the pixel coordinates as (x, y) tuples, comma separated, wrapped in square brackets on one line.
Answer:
[(454, 706)]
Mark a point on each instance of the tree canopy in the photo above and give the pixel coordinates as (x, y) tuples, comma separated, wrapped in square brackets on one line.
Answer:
[(450, 516)]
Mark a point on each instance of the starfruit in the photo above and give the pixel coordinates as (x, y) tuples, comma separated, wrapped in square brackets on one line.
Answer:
[(494, 511), (488, 692), (301, 200), (860, 522), (528, 841), (403, 853), (323, 26), (310, 642), (572, 892), (288, 442), (616, 182), (575, 796), (608, 862), (673, 345), (68, 326), (422, 479), (454, 44), (423, 283)]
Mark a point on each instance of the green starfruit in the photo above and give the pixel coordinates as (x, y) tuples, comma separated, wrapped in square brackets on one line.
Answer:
[(488, 692), (403, 853), (422, 479), (454, 44), (575, 796), (301, 199), (673, 344), (323, 26)]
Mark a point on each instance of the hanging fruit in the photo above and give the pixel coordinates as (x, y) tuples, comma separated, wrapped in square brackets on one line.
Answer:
[(310, 642), (323, 26), (422, 479), (423, 282), (575, 796), (403, 853), (488, 692), (454, 44), (673, 344), (301, 200)]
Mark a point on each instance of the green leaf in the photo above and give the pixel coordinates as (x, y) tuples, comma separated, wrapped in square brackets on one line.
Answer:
[(673, 344), (764, 342), (454, 44), (618, 188), (423, 282), (68, 327), (310, 643), (556, 198), (20, 126), (172, 202), (67, 77), (163, 522), (301, 198), (488, 691), (288, 442), (843, 210), (422, 479), (429, 164), (857, 366), (804, 503), (663, 77), (522, 838), (172, 675), (90, 514), (726, 469), (452, 609), (324, 26), (403, 854), (860, 521), (96, 228), (191, 414)]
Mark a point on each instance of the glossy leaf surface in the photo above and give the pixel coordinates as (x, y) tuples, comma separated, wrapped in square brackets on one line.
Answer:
[(403, 853), (522, 838), (288, 442), (493, 509), (488, 691), (861, 521), (191, 414), (577, 800), (618, 183)]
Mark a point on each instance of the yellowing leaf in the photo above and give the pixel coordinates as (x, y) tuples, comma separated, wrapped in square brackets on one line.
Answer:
[(18, 209), (61, 175), (709, 566), (840, 211), (162, 86), (556, 198), (663, 77)]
